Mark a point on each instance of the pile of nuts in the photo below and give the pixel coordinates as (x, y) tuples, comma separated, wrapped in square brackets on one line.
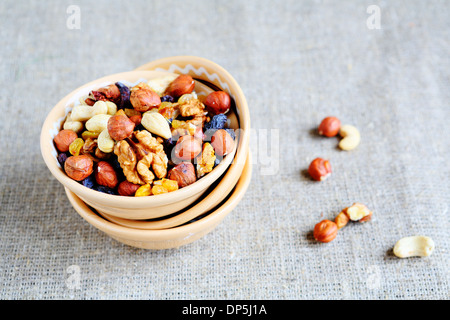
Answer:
[(147, 139), (326, 230), (320, 169)]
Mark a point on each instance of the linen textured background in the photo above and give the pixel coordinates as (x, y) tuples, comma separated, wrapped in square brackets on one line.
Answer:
[(297, 62)]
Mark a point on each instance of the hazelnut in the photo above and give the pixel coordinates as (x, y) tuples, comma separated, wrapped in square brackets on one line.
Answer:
[(105, 175), (109, 93), (341, 220), (183, 173), (127, 188), (89, 101), (217, 102), (120, 127), (319, 169), (222, 142), (63, 139), (329, 127), (366, 218), (183, 84), (79, 167), (325, 231), (143, 98), (187, 147), (136, 119), (358, 212)]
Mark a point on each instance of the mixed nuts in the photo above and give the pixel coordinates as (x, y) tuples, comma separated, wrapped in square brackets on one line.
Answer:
[(146, 139), (326, 230), (320, 169)]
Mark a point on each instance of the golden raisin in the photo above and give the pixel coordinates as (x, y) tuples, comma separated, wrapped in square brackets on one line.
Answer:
[(158, 189), (143, 191), (170, 185), (75, 146), (206, 160), (89, 134)]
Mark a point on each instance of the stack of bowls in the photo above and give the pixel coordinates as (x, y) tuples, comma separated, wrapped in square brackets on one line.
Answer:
[(166, 220)]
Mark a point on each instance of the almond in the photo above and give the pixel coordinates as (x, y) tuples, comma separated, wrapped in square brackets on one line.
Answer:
[(155, 123)]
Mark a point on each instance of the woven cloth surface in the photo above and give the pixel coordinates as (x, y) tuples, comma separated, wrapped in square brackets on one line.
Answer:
[(297, 62)]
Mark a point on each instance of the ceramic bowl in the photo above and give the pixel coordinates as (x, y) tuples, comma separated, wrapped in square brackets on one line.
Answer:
[(166, 238), (145, 207), (211, 198)]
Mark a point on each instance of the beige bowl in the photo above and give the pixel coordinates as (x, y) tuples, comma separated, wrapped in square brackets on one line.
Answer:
[(145, 207), (211, 198), (167, 238)]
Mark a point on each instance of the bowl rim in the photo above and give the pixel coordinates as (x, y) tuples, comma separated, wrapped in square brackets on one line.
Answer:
[(86, 192), (186, 230), (118, 201)]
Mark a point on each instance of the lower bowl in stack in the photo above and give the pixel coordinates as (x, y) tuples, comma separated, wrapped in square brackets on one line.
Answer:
[(172, 237)]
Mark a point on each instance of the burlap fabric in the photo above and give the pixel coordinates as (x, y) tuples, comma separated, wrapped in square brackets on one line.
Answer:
[(297, 62)]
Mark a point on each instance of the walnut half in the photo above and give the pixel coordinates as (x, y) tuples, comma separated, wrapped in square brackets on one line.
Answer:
[(127, 159), (136, 158)]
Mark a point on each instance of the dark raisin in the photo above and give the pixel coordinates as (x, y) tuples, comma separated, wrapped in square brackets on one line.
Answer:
[(231, 133), (124, 96), (62, 157), (217, 122), (114, 162), (168, 98), (89, 182), (168, 146), (217, 161), (105, 190), (139, 127)]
